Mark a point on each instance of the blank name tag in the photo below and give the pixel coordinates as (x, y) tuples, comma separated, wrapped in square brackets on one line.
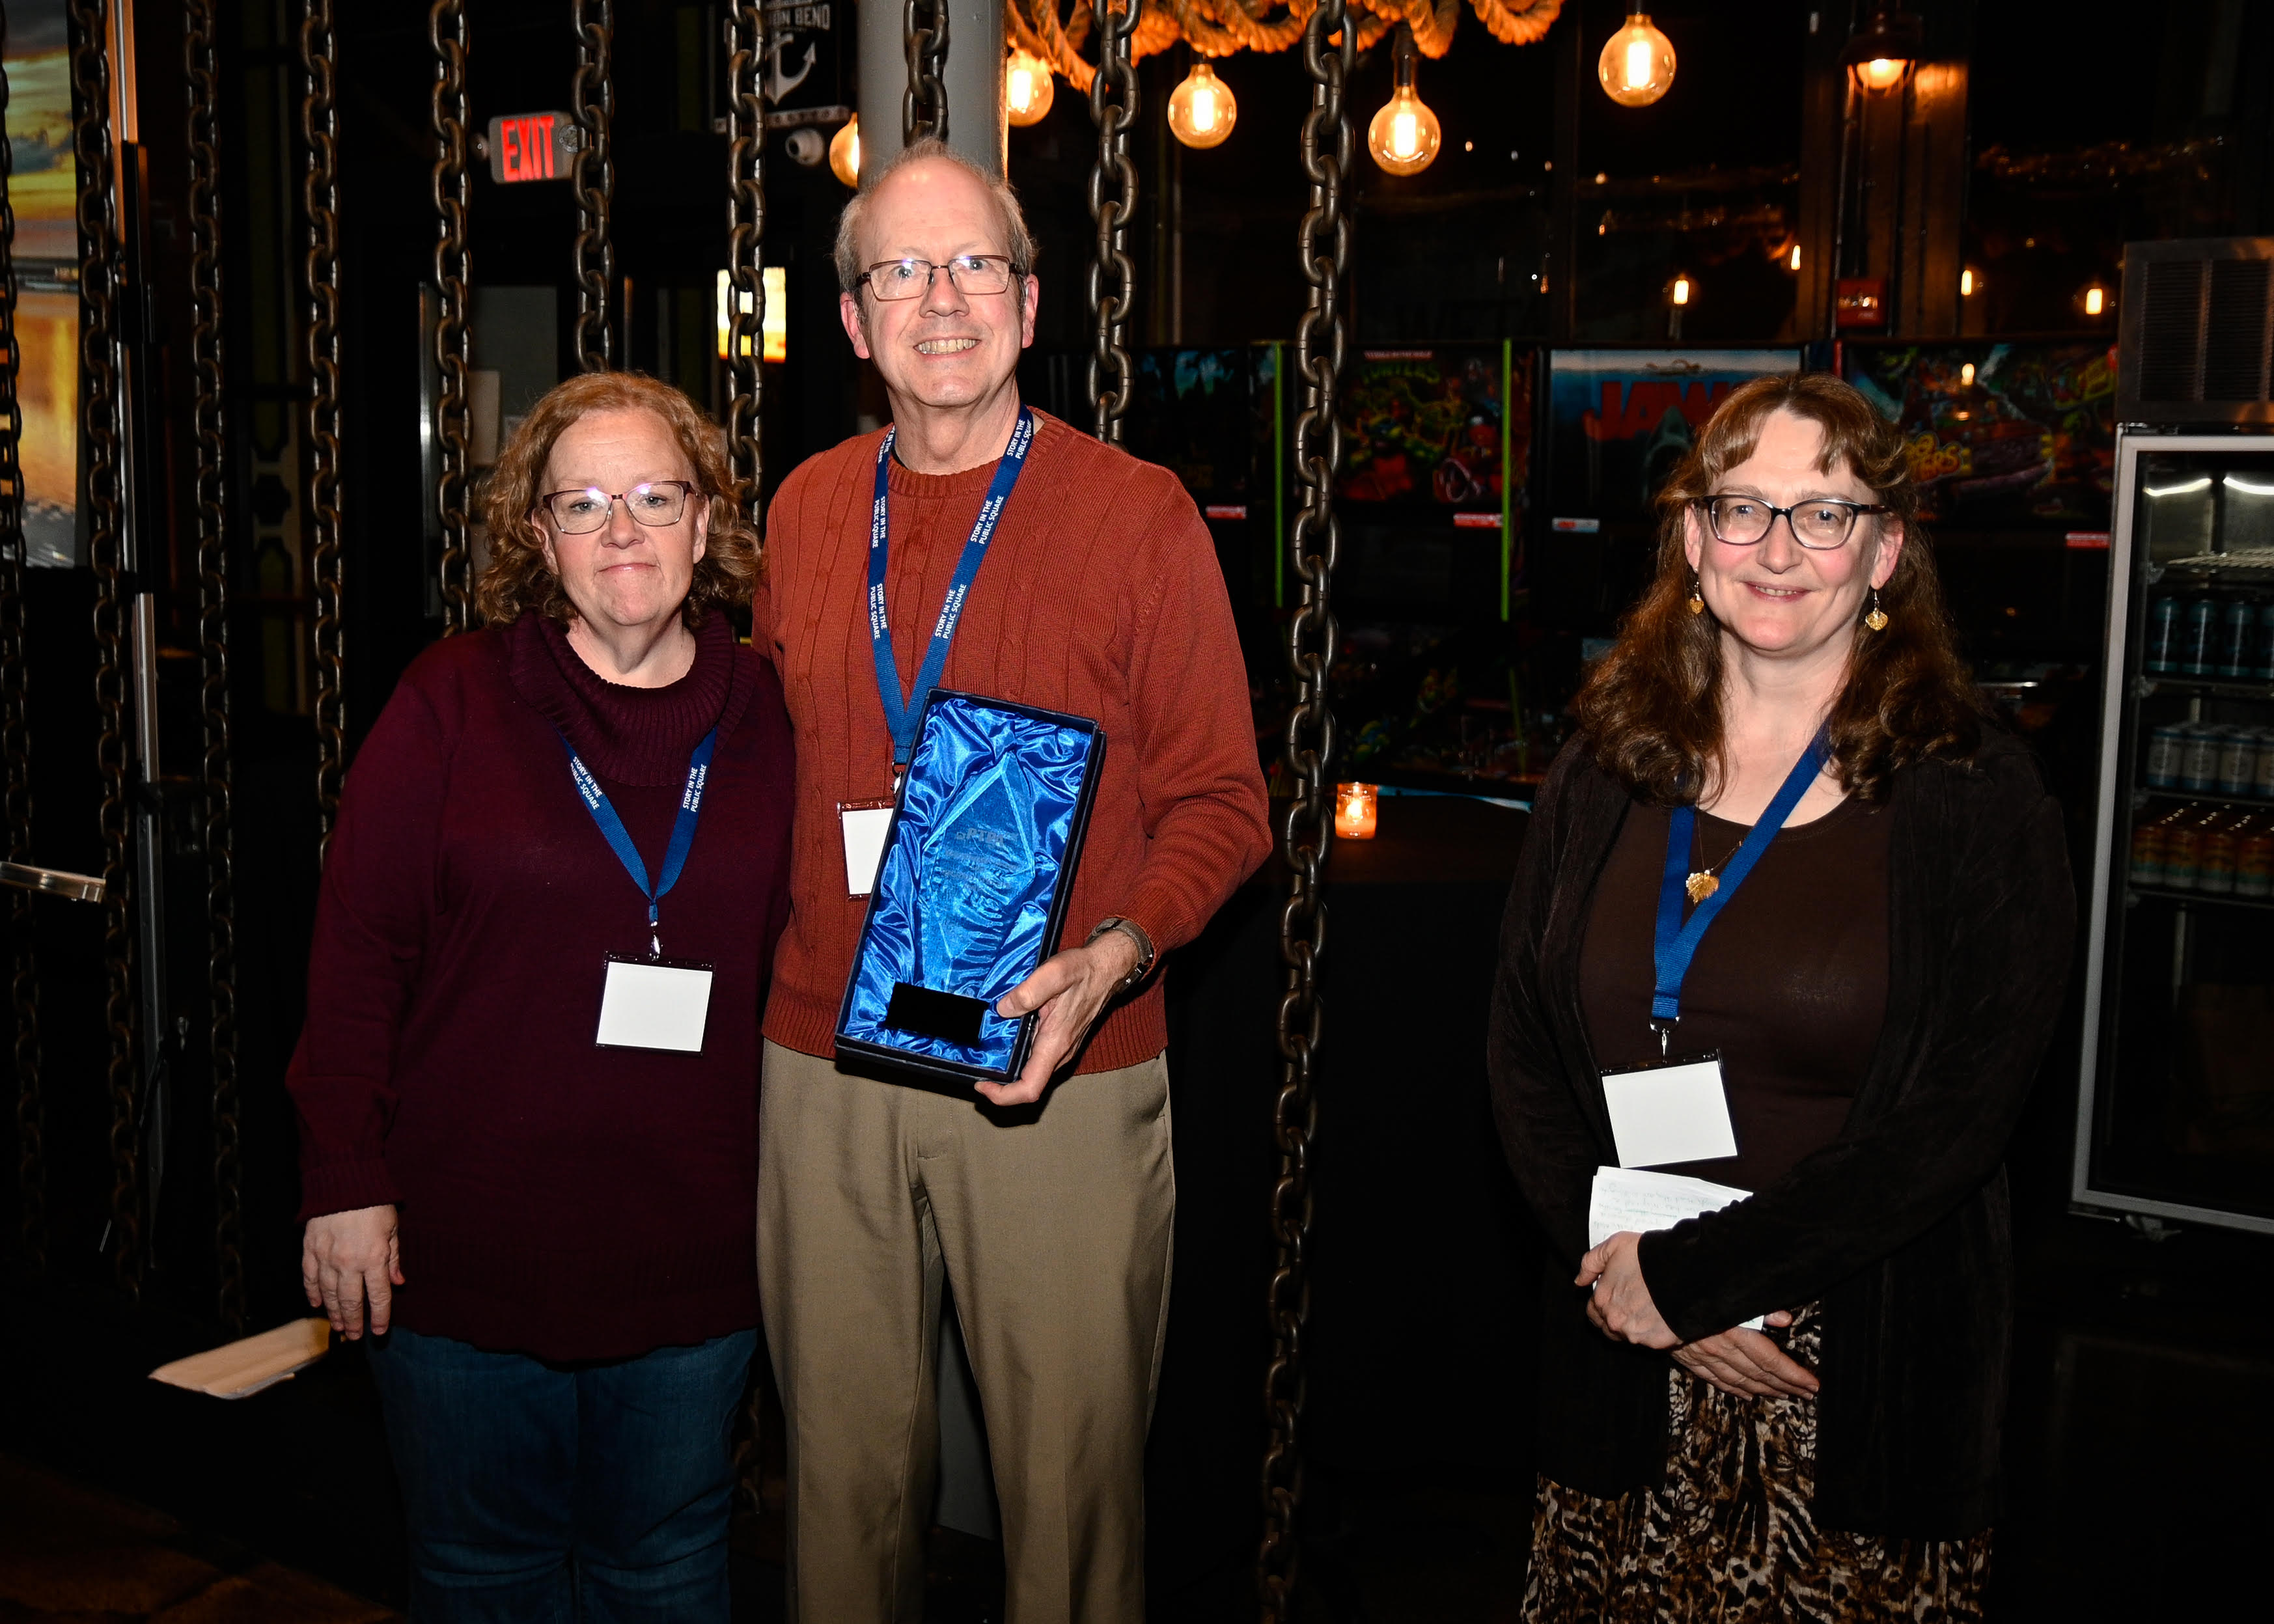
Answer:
[(654, 1004), (865, 823), (1667, 1113)]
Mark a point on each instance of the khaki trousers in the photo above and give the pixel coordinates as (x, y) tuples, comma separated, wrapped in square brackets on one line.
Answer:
[(1051, 1225)]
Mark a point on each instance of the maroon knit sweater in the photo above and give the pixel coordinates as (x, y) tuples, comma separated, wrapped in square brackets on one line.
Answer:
[(555, 1198)]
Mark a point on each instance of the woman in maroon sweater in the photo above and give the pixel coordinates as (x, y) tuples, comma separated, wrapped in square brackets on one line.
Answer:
[(528, 1125)]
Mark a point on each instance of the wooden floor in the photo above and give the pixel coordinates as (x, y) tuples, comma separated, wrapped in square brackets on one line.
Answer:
[(71, 1554)]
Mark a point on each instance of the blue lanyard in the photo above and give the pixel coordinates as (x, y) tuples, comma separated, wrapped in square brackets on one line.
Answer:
[(902, 717), (682, 828), (1675, 943)]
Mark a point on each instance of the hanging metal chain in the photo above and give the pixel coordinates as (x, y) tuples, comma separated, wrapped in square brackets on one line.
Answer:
[(15, 744), (98, 298), (204, 78), (1112, 205), (320, 128), (1323, 246), (746, 224), (446, 31), (924, 104), (593, 105)]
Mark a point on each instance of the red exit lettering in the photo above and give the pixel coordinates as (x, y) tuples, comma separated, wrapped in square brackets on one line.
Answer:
[(524, 146)]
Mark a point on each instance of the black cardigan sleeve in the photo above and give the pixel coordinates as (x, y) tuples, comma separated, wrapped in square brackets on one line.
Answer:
[(1548, 1142), (1992, 991)]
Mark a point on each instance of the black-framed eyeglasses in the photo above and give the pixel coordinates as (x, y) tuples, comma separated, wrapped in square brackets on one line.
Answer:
[(655, 502), (909, 279), (1821, 524)]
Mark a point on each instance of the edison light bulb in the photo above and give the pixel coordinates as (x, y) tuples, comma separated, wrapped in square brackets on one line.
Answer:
[(1202, 110), (1405, 134), (1884, 72), (845, 153), (1028, 91), (1636, 65)]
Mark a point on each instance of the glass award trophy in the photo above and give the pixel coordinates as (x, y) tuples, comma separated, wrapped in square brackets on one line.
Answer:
[(972, 891)]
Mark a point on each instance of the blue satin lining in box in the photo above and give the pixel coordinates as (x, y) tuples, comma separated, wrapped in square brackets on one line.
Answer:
[(963, 897)]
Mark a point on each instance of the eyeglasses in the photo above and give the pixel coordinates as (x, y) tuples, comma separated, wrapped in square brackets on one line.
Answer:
[(909, 279), (579, 513), (1820, 524)]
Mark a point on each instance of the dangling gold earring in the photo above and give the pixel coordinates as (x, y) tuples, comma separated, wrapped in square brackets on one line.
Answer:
[(1877, 619), (1697, 599)]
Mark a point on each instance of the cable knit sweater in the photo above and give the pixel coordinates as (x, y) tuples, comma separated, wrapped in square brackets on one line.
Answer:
[(555, 1198), (1100, 595)]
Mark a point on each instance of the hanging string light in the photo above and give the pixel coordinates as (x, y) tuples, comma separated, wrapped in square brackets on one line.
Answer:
[(845, 153), (1202, 110), (1405, 134), (1027, 88), (1637, 66), (1883, 50)]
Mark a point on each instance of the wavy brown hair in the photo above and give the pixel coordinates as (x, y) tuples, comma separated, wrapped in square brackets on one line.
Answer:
[(519, 580), (1651, 709)]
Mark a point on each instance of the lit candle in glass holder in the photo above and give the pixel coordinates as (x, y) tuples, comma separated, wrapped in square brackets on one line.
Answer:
[(1354, 810)]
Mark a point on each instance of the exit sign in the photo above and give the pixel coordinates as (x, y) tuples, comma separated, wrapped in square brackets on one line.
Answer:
[(533, 146)]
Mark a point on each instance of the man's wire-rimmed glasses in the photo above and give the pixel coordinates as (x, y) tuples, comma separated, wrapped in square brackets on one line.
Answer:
[(656, 502), (911, 278), (1821, 524)]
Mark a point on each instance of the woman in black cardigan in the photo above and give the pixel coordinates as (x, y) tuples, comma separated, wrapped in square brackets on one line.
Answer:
[(1879, 980)]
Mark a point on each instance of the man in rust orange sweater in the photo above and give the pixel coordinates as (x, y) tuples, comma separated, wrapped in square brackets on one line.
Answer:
[(1044, 1204)]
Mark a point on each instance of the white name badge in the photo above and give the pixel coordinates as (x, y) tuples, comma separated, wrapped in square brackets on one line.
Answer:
[(865, 823), (654, 1004), (1670, 1113)]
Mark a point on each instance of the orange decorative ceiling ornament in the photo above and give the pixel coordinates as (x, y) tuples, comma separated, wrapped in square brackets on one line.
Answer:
[(1057, 30)]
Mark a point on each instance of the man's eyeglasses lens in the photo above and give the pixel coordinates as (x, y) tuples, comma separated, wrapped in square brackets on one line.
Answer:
[(1741, 521), (907, 279), (578, 513)]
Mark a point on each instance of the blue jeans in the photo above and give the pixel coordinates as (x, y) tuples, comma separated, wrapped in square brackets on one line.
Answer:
[(540, 1493)]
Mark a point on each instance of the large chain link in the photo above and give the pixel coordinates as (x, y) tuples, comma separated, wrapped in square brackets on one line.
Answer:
[(320, 129), (1112, 205), (98, 302), (204, 78), (446, 32), (1323, 247), (746, 224), (924, 104), (593, 105), (15, 743)]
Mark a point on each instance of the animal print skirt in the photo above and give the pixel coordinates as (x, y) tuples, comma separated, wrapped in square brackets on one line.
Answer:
[(1730, 1538)]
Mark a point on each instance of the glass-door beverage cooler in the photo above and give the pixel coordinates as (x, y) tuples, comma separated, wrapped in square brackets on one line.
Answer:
[(2176, 1110)]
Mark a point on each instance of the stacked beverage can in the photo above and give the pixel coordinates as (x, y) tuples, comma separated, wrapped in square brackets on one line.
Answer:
[(2199, 754), (2166, 748), (2162, 656), (2238, 761), (2238, 627), (2199, 638)]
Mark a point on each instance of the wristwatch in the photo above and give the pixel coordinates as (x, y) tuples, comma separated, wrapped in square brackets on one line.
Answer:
[(1136, 932)]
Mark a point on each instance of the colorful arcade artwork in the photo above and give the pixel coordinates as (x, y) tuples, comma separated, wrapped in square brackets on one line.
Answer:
[(1622, 419), (1424, 426), (43, 190), (2000, 434)]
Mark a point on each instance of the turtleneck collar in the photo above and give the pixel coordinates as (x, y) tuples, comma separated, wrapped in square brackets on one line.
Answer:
[(633, 735)]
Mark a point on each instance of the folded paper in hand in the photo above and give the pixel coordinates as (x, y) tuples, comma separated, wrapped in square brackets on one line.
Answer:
[(1629, 1198)]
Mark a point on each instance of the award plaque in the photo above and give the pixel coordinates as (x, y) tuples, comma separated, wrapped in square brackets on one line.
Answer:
[(972, 888)]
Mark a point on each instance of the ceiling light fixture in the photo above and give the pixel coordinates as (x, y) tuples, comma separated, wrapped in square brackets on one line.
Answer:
[(1637, 66)]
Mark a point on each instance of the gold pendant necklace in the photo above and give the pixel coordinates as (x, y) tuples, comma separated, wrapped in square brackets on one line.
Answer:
[(1703, 884)]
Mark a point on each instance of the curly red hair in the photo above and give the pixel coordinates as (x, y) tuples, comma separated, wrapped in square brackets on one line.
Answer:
[(517, 580), (1651, 709)]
